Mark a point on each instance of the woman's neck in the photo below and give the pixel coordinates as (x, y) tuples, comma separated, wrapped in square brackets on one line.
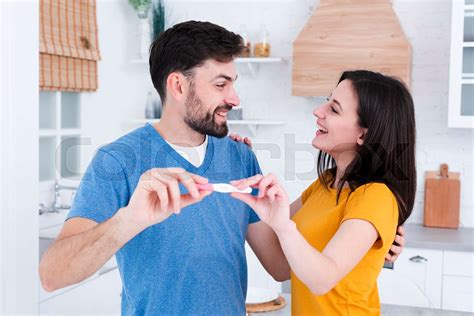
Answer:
[(342, 162)]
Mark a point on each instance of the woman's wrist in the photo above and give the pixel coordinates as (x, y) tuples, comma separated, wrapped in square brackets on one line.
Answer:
[(284, 229)]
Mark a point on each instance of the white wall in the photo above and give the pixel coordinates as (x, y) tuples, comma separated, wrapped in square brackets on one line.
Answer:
[(19, 157), (428, 28), (123, 86), (122, 91), (106, 114)]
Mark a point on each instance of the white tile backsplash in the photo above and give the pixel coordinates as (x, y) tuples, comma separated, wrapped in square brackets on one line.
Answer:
[(122, 85)]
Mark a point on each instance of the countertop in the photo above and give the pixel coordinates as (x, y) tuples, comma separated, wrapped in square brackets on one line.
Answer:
[(418, 236), (387, 310)]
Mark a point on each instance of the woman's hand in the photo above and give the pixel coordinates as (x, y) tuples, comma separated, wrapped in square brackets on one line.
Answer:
[(271, 204), (238, 138)]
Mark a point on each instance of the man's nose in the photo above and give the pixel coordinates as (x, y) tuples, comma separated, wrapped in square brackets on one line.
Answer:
[(232, 98)]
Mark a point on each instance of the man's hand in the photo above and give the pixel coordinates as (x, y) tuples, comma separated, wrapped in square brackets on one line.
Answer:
[(397, 246), (238, 138), (157, 195), (85, 246)]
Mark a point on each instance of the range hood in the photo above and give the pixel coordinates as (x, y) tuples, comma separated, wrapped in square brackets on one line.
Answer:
[(348, 35)]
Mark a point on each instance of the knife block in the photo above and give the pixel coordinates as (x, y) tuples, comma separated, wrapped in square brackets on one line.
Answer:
[(442, 198)]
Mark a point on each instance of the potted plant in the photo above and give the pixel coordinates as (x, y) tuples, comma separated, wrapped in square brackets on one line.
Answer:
[(157, 18), (142, 7)]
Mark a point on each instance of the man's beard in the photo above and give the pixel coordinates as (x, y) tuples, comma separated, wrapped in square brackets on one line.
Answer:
[(201, 121)]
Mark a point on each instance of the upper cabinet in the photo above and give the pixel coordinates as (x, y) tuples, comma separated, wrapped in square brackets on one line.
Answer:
[(346, 35), (461, 73)]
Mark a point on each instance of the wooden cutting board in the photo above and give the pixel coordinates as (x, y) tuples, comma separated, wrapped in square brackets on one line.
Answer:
[(442, 198)]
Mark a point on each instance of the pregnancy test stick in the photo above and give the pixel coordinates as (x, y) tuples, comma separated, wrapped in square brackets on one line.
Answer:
[(222, 188)]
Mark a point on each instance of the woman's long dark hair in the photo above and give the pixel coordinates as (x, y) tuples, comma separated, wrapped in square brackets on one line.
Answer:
[(388, 153)]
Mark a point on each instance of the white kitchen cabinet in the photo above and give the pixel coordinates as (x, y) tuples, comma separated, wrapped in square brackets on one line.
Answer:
[(99, 296), (461, 72), (430, 278), (458, 281), (458, 293), (458, 263), (59, 135), (416, 279)]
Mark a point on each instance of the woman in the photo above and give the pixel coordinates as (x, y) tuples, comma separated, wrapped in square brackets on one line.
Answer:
[(336, 235)]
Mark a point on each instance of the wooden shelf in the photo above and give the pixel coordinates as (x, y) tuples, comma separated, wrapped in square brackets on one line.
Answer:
[(252, 63), (254, 122), (139, 61), (230, 122), (467, 81), (47, 132), (240, 60), (259, 60), (251, 124), (59, 132)]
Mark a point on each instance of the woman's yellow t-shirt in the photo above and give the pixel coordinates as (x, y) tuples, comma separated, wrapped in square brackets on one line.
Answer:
[(318, 221)]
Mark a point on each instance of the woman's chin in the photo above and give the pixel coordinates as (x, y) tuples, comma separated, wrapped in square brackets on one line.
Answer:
[(316, 144)]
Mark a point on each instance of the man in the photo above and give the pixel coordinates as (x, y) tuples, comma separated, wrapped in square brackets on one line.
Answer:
[(180, 250)]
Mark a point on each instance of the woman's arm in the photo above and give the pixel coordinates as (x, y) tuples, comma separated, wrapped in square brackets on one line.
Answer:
[(266, 246), (321, 271), (398, 243)]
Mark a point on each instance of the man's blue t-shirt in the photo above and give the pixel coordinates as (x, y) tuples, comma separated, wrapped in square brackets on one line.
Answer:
[(190, 264)]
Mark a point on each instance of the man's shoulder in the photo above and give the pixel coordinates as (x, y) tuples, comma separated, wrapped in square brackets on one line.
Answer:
[(238, 154), (231, 145), (127, 146)]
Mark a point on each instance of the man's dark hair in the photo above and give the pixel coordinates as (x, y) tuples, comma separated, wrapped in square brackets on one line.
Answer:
[(188, 45)]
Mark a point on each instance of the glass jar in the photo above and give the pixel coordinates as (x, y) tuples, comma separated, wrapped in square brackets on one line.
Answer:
[(246, 41), (262, 48)]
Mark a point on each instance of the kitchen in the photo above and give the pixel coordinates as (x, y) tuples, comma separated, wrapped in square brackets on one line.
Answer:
[(33, 123)]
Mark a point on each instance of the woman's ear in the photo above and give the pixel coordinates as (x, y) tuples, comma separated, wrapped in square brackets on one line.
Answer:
[(361, 137), (176, 84)]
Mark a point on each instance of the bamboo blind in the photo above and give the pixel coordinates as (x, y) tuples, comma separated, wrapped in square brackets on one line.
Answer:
[(69, 48)]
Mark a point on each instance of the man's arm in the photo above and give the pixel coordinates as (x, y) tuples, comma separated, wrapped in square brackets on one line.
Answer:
[(397, 246), (83, 246), (267, 248)]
